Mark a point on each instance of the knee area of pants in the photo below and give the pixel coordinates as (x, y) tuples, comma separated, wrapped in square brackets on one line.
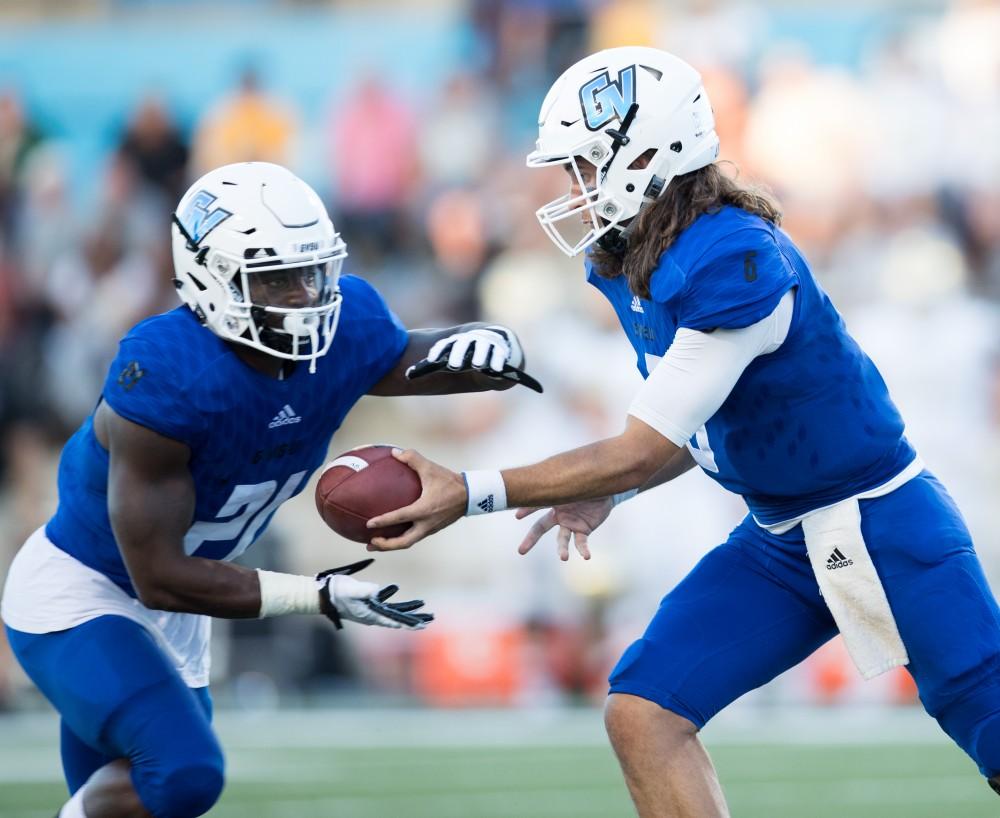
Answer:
[(986, 749), (188, 791)]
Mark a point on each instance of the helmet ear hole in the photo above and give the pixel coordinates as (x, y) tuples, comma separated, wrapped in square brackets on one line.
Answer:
[(643, 159)]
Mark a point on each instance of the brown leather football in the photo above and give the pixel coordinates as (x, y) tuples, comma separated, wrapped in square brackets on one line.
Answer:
[(361, 484)]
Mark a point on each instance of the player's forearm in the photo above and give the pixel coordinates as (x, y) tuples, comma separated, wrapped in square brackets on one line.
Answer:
[(597, 470), (201, 586)]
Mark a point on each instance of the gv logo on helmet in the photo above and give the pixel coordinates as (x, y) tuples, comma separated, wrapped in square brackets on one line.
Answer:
[(198, 220), (604, 99)]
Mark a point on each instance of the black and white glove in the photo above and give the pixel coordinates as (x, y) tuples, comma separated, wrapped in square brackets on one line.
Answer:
[(343, 597), (493, 351)]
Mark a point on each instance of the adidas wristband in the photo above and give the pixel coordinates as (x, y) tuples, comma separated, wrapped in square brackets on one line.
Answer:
[(287, 593), (486, 491)]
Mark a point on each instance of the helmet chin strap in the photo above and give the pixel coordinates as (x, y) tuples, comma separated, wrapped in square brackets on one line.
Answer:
[(615, 241)]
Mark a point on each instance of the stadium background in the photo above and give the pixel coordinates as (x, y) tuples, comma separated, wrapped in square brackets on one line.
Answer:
[(877, 125)]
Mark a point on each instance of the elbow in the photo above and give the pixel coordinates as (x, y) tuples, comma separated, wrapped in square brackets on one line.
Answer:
[(156, 597), (643, 465), (640, 473)]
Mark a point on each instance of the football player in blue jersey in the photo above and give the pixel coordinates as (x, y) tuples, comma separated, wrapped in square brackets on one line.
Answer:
[(212, 416), (751, 375)]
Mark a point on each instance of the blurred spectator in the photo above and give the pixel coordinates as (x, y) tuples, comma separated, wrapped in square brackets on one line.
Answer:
[(457, 140), (710, 32), (731, 106), (624, 22), (17, 137), (154, 144), (45, 224), (99, 290), (805, 138), (372, 154), (456, 229), (247, 126)]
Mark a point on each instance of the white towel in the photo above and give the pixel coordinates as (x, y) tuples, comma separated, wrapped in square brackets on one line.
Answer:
[(852, 589), (848, 581)]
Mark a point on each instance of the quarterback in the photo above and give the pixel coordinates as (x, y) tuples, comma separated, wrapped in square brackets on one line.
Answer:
[(212, 416), (751, 375)]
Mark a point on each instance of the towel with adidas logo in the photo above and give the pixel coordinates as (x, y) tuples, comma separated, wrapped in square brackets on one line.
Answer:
[(848, 581), (852, 589)]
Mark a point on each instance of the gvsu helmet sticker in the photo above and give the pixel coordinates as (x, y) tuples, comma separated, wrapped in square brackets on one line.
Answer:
[(198, 220), (604, 99)]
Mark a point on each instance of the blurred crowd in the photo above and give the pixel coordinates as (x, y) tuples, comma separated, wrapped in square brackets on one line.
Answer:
[(888, 171)]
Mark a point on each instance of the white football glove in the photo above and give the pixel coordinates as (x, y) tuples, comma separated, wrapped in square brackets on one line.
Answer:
[(480, 349), (344, 597), (493, 351)]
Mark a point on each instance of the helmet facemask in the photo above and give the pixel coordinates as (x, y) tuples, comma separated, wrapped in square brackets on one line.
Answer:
[(593, 210), (284, 307), (595, 207), (298, 330)]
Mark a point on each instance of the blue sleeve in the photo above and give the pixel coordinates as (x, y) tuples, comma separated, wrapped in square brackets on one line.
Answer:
[(145, 386), (380, 335)]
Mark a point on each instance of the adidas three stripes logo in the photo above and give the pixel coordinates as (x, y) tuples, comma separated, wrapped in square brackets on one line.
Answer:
[(285, 417), (837, 560)]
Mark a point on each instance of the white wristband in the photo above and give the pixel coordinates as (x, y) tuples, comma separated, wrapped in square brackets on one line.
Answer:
[(287, 593), (622, 496), (487, 492)]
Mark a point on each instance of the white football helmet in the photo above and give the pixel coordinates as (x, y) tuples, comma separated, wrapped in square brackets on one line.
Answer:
[(258, 260), (609, 109)]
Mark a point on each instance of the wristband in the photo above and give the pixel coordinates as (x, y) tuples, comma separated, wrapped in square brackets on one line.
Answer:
[(622, 496), (287, 593), (486, 492)]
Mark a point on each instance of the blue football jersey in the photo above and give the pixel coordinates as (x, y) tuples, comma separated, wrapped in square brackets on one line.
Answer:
[(805, 426), (254, 440)]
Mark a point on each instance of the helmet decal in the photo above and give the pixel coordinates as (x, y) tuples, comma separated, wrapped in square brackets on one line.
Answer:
[(604, 99), (197, 220)]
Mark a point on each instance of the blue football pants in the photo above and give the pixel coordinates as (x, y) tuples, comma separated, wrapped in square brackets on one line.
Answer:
[(751, 609), (120, 697)]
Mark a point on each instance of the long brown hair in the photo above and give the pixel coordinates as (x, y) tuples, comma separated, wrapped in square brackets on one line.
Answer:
[(687, 197)]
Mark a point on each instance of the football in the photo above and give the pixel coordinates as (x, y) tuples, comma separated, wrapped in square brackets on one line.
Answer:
[(361, 484)]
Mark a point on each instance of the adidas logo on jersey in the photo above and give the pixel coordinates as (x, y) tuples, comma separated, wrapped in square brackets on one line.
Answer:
[(486, 505), (285, 417), (837, 560), (637, 304)]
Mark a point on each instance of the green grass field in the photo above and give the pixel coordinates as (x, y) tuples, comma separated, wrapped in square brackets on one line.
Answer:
[(461, 764)]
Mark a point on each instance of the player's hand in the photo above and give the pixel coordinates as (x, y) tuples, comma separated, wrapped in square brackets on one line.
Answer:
[(344, 597), (493, 351), (442, 500), (576, 520)]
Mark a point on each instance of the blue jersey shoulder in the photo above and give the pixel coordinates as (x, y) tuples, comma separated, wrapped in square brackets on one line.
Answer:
[(171, 372), (725, 271), (158, 362)]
